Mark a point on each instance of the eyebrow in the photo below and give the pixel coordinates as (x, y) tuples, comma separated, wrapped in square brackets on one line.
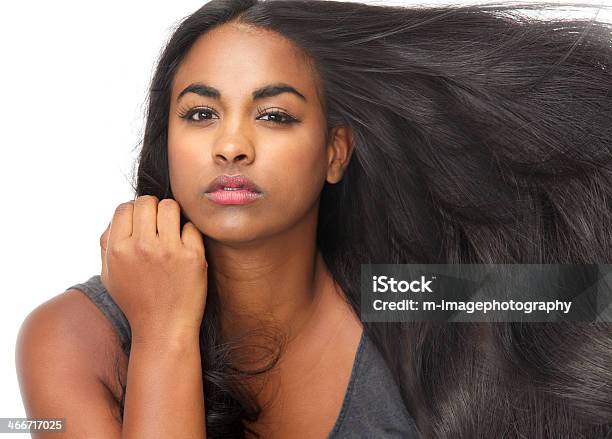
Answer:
[(261, 93)]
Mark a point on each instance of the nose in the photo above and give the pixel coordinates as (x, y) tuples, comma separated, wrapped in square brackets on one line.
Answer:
[(233, 149)]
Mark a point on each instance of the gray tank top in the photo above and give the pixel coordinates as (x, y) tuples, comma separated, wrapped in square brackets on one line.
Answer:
[(372, 406)]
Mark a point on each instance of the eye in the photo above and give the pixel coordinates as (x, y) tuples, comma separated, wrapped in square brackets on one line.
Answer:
[(188, 115), (278, 117)]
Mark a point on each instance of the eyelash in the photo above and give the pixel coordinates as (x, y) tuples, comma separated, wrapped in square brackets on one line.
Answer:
[(188, 114)]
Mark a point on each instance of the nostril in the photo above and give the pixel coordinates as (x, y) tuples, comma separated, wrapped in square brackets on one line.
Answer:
[(241, 157)]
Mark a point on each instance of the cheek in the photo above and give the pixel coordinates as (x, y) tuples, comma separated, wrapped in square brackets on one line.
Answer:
[(183, 164), (303, 174)]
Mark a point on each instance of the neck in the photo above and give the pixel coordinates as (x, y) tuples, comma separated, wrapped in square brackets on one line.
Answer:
[(276, 281)]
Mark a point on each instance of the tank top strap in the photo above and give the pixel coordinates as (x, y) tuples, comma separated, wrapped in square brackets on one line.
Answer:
[(99, 295)]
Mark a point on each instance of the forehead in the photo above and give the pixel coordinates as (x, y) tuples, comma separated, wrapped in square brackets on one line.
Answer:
[(237, 59)]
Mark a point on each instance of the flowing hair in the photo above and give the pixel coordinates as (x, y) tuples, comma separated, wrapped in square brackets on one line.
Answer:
[(480, 136)]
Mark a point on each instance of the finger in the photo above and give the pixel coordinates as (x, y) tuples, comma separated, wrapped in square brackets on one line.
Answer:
[(192, 237), (121, 224), (169, 222), (103, 247), (104, 238), (145, 218)]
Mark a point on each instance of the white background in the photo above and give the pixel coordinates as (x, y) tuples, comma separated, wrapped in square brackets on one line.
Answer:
[(74, 78)]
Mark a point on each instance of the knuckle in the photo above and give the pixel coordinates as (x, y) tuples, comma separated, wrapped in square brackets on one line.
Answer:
[(167, 253), (193, 256), (168, 203), (123, 206), (147, 199), (116, 251), (144, 248)]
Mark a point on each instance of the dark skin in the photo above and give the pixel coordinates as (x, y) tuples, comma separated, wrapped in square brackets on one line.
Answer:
[(261, 255)]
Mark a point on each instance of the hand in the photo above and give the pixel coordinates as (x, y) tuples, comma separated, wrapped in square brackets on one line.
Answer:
[(157, 277)]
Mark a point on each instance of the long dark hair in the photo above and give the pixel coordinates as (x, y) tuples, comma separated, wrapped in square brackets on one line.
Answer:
[(481, 136)]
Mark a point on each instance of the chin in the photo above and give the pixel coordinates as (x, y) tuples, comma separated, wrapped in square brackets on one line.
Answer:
[(231, 234), (239, 234)]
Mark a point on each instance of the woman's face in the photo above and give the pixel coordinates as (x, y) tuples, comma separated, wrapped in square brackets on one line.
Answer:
[(233, 133)]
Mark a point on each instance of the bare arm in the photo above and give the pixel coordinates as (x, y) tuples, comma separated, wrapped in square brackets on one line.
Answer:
[(158, 277), (61, 354), (62, 348), (164, 396), (62, 359)]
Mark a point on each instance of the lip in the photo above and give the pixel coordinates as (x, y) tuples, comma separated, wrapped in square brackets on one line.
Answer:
[(232, 181), (243, 190), (240, 196)]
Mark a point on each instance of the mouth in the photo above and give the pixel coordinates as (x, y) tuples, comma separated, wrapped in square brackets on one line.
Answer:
[(232, 189), (232, 183)]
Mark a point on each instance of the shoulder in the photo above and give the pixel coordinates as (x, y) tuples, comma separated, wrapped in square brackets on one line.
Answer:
[(67, 336)]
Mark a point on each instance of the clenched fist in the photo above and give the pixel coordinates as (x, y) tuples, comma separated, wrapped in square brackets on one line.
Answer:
[(156, 275)]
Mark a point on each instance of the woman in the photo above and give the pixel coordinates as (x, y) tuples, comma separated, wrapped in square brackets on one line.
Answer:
[(292, 141)]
